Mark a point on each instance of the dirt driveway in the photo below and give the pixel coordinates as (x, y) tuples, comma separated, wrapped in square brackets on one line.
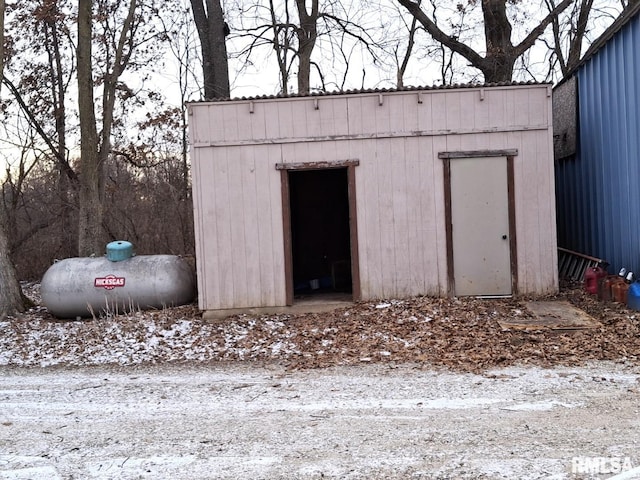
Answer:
[(250, 421)]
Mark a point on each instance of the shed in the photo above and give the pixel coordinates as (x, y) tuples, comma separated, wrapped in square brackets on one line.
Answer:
[(374, 194), (597, 146)]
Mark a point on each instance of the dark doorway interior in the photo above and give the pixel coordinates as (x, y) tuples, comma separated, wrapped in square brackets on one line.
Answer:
[(320, 235)]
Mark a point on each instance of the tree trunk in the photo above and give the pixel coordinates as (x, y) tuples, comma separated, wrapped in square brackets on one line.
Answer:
[(120, 61), (11, 301), (500, 59), (281, 47), (90, 235), (211, 31), (575, 47), (402, 68), (10, 294), (307, 34), (58, 95)]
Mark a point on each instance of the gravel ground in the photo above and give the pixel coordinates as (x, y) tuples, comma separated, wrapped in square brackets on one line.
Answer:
[(416, 388), (363, 422)]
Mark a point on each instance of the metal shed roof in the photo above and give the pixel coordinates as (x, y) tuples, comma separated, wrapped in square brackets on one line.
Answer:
[(374, 90)]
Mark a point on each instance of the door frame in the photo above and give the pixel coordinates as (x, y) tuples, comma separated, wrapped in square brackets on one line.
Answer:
[(510, 155), (285, 168)]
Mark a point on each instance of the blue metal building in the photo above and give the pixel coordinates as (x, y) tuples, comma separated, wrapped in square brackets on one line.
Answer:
[(597, 148)]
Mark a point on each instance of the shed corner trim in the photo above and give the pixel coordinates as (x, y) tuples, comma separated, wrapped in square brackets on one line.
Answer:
[(512, 152)]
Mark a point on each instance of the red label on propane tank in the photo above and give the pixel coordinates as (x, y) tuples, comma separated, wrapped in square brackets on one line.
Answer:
[(109, 282)]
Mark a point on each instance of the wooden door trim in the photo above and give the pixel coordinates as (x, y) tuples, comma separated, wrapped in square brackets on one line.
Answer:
[(451, 284), (353, 233), (350, 166), (513, 243), (510, 155), (510, 152), (317, 165), (287, 241)]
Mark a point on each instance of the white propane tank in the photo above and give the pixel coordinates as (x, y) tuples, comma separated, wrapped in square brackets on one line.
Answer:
[(82, 287)]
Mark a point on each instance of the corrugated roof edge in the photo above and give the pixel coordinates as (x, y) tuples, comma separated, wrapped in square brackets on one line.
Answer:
[(374, 90), (623, 19)]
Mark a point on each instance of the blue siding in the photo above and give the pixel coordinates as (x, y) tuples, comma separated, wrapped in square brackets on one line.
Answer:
[(598, 192)]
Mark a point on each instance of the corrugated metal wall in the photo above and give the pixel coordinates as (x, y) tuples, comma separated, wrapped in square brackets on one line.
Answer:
[(598, 192)]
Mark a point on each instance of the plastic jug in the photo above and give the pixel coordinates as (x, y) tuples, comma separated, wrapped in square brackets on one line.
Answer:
[(633, 296), (604, 287), (619, 291), (591, 277)]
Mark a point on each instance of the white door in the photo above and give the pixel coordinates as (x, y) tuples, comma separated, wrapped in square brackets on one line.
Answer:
[(480, 226)]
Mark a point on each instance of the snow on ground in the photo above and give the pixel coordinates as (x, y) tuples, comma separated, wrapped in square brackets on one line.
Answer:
[(250, 421), (137, 338), (419, 388), (461, 334)]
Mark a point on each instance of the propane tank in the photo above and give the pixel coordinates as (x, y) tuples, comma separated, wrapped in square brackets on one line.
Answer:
[(84, 286), (591, 277)]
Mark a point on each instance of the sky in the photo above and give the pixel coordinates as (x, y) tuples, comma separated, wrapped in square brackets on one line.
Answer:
[(261, 78)]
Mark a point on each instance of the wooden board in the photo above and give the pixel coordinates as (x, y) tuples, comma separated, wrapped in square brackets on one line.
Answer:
[(551, 315)]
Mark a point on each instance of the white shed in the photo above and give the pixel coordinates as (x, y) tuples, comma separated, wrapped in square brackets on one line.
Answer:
[(377, 194)]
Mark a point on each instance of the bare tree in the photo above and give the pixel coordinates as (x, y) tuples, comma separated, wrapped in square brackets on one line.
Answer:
[(311, 40), (576, 29), (498, 62), (41, 66), (11, 299), (179, 30), (578, 19), (90, 214), (212, 31), (59, 73), (118, 42), (37, 114), (282, 44), (307, 33), (404, 63)]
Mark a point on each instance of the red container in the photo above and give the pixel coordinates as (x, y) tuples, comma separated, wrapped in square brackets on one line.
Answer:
[(591, 277), (619, 291), (604, 287)]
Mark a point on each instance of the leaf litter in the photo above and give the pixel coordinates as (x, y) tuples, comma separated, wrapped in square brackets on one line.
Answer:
[(461, 334)]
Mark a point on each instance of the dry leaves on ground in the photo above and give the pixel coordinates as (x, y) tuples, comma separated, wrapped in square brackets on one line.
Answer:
[(460, 334)]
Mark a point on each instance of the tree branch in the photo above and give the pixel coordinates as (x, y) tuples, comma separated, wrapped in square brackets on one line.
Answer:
[(530, 39), (460, 48), (57, 154)]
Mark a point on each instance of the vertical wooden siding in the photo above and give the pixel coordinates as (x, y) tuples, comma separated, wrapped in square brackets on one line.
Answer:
[(238, 221), (400, 191)]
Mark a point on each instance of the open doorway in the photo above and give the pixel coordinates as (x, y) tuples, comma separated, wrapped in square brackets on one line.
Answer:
[(321, 233)]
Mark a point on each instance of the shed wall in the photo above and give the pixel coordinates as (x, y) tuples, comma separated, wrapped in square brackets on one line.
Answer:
[(597, 191), (396, 137), (565, 119)]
